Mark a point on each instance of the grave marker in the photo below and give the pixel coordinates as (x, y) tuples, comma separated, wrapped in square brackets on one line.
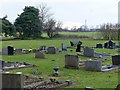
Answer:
[(12, 81), (93, 65), (39, 55), (52, 50), (88, 51), (64, 47), (72, 61), (116, 60), (8, 51)]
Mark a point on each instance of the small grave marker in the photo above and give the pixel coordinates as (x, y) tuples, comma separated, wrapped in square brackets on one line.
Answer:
[(71, 61)]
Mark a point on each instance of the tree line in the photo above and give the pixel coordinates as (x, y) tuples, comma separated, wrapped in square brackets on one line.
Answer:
[(31, 23)]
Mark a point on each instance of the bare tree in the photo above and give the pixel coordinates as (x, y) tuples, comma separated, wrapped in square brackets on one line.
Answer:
[(48, 22), (44, 13), (110, 31), (50, 27)]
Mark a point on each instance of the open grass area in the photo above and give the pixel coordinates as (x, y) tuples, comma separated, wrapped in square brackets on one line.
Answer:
[(45, 66), (92, 35)]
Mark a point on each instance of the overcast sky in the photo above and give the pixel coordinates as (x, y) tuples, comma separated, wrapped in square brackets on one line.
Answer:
[(69, 12)]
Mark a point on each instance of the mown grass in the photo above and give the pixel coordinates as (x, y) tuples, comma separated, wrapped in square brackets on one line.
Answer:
[(45, 66)]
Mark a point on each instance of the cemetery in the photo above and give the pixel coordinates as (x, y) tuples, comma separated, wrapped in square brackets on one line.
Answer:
[(57, 64), (38, 51)]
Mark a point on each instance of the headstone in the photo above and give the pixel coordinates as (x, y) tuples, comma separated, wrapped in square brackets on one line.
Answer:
[(71, 43), (43, 47), (111, 44), (4, 51), (88, 51), (8, 51), (52, 50), (116, 60), (99, 45), (106, 45), (64, 47), (39, 55), (93, 65), (12, 81), (18, 51), (72, 61)]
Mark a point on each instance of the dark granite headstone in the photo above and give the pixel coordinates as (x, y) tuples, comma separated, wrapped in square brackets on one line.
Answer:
[(106, 45), (78, 49), (10, 50), (71, 43), (116, 60), (99, 45)]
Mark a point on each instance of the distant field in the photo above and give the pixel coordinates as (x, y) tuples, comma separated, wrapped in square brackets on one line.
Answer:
[(45, 66), (79, 33), (90, 35)]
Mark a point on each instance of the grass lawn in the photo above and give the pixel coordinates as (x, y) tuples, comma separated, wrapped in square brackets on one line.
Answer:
[(45, 66)]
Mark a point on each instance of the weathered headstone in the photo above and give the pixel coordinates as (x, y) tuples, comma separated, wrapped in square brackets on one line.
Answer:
[(4, 51), (93, 65), (72, 61), (64, 47), (88, 51), (39, 55), (116, 60), (52, 50), (12, 81), (18, 51)]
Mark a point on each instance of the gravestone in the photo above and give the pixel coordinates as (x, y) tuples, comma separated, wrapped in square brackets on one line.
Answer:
[(88, 51), (93, 65), (116, 60), (78, 49), (4, 51), (8, 51), (39, 55), (52, 50), (72, 61), (12, 81), (64, 47), (106, 45), (43, 47), (111, 44), (99, 45), (71, 43), (18, 51)]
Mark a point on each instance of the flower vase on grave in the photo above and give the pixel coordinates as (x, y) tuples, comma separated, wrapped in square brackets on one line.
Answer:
[(56, 71)]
